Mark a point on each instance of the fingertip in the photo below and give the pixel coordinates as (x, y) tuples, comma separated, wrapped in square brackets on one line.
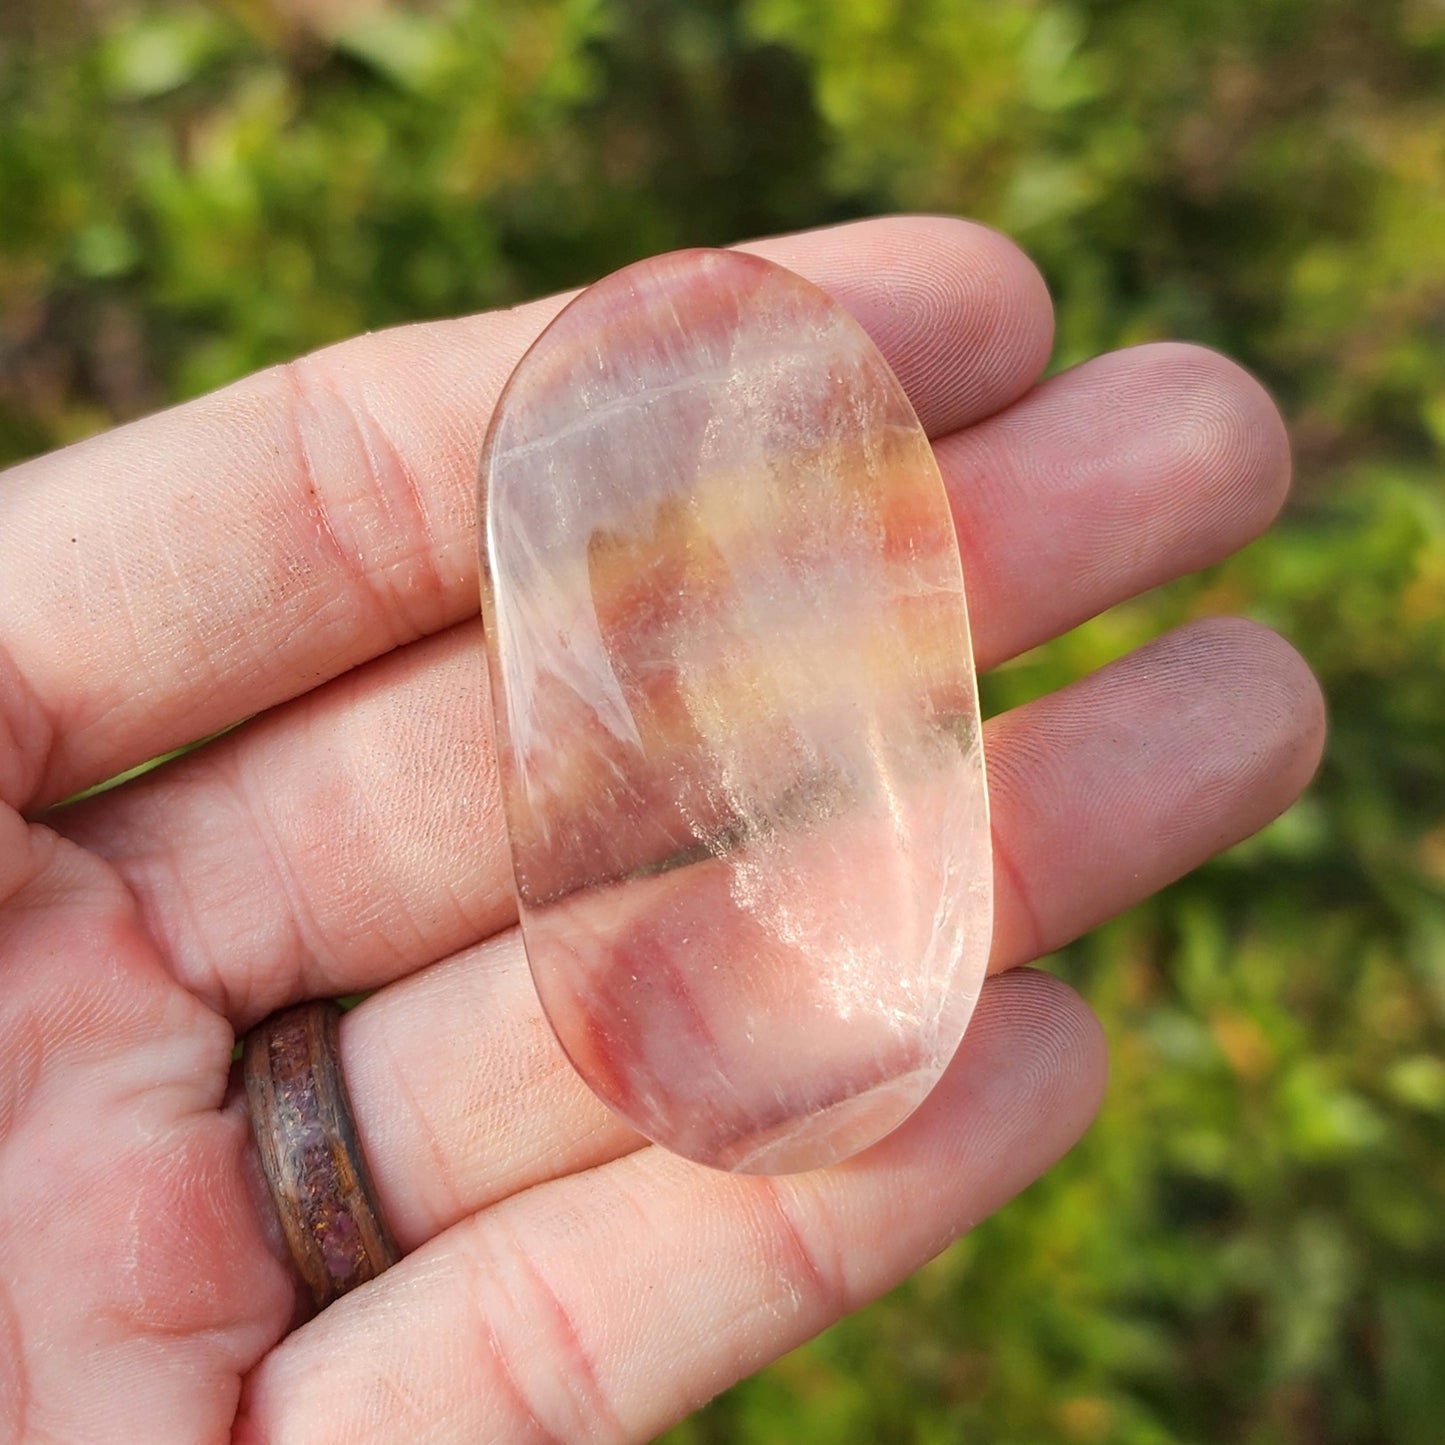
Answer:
[(1286, 710), (960, 311), (1043, 1055), (1125, 780), (1227, 430), (975, 284), (1244, 722), (1023, 1087)]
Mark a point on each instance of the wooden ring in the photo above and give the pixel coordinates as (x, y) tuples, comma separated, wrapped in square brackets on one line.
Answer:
[(306, 1133)]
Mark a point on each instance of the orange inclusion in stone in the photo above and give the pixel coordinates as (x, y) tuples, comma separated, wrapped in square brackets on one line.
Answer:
[(735, 714)]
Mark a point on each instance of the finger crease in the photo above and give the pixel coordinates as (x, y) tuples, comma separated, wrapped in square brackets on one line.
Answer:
[(573, 1371), (404, 583), (298, 404), (440, 1179), (801, 1263), (1007, 865), (497, 1357)]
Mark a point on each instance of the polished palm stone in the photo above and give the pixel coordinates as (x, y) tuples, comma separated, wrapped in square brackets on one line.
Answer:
[(735, 713)]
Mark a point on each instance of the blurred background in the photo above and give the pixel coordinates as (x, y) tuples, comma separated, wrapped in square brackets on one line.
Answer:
[(1250, 1246)]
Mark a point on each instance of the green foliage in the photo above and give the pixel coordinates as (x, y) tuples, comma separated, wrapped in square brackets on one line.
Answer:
[(1251, 1245)]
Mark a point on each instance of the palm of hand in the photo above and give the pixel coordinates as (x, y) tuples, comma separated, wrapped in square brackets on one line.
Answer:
[(300, 547)]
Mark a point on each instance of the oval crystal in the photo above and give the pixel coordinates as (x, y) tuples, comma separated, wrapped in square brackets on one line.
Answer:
[(735, 713)]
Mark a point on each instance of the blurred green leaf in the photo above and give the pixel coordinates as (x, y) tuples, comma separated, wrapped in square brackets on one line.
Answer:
[(158, 53)]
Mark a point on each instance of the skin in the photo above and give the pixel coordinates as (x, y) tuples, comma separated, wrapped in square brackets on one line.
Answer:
[(298, 550)]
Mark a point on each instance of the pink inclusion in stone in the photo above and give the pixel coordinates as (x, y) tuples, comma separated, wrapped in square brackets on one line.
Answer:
[(735, 714)]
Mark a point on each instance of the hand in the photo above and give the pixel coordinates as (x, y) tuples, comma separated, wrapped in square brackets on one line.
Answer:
[(298, 550)]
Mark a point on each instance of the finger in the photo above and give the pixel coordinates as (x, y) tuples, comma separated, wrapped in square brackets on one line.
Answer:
[(1102, 794), (606, 1305), (1128, 471), (1146, 769), (358, 834), (136, 1285), (194, 568)]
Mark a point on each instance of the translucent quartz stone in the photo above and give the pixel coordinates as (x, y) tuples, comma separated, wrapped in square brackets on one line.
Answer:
[(735, 714)]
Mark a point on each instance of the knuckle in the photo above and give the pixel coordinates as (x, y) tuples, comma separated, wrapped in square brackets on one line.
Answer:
[(369, 515), (540, 1348)]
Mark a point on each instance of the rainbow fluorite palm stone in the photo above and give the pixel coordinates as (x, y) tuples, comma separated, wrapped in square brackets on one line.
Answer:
[(735, 713)]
